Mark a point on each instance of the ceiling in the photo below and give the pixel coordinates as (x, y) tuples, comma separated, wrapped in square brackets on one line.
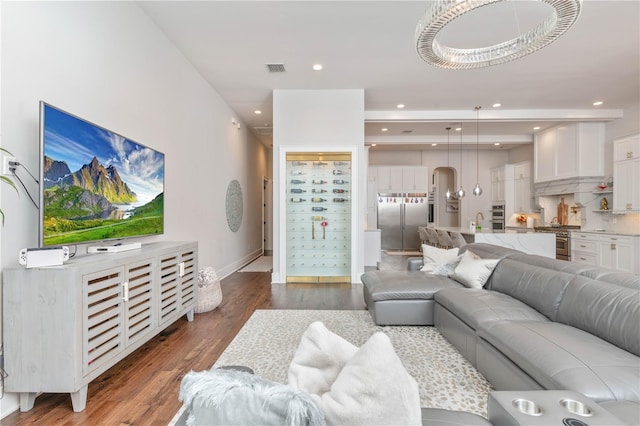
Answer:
[(370, 45)]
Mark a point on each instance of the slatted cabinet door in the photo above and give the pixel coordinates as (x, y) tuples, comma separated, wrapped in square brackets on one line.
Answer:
[(140, 317), (188, 278), (169, 289), (103, 337)]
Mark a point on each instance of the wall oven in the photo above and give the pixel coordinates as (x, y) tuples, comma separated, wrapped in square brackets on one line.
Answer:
[(431, 208), (497, 217)]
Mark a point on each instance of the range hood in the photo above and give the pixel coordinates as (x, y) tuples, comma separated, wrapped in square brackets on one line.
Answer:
[(581, 188)]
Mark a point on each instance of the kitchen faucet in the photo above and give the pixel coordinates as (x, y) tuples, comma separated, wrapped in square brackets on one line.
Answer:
[(481, 215)]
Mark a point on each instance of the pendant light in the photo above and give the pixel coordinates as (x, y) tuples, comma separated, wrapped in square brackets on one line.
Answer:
[(460, 192), (477, 191), (448, 194)]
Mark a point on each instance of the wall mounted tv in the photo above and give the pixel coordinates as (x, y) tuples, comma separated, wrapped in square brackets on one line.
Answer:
[(95, 185)]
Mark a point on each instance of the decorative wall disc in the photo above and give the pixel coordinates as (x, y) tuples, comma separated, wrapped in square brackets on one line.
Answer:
[(233, 205)]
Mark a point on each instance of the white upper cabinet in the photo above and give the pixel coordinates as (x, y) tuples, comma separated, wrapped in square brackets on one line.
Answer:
[(569, 151), (497, 184), (522, 187), (401, 179), (626, 174)]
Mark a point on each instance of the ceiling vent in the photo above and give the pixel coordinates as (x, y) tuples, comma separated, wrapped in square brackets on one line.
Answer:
[(264, 131), (407, 131), (276, 67)]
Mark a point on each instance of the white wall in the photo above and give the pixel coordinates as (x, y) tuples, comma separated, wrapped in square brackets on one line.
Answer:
[(108, 63), (331, 120)]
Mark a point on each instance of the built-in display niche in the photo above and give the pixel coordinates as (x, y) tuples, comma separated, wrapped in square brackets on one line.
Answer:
[(318, 217)]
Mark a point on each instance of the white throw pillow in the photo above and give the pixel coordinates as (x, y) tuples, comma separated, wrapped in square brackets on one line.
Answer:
[(434, 256), (320, 357), (373, 388), (446, 269), (474, 271)]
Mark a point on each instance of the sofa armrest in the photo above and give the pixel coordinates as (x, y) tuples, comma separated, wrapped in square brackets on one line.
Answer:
[(414, 264)]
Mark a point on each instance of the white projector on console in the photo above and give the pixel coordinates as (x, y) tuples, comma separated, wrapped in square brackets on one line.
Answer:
[(38, 257)]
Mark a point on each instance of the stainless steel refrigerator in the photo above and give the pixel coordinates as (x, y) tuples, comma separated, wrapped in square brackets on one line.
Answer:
[(399, 216)]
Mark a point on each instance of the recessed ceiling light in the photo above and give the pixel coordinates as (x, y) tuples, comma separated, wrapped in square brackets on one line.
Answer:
[(598, 103), (257, 111), (497, 105), (497, 144), (536, 128), (373, 144), (434, 144), (317, 67), (458, 129), (400, 106), (384, 129)]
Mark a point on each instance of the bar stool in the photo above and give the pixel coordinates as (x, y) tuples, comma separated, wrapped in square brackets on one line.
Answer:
[(458, 239), (433, 237), (444, 239), (424, 237)]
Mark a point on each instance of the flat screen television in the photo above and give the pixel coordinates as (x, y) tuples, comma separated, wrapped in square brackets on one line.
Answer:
[(95, 185)]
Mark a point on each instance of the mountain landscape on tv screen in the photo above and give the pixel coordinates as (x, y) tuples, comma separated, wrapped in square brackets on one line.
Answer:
[(94, 203)]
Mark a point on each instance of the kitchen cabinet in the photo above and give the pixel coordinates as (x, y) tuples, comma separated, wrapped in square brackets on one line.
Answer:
[(522, 187), (497, 184), (569, 151), (606, 250), (626, 174), (402, 179)]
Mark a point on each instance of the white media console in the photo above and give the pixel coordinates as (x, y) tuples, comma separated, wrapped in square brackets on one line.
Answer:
[(65, 325)]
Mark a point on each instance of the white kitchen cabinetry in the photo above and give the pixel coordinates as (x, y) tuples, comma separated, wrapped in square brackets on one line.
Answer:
[(606, 250), (569, 151), (64, 326), (626, 174), (497, 184), (522, 187), (402, 179)]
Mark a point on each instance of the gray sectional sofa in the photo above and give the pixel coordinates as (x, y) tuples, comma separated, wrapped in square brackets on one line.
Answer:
[(537, 324)]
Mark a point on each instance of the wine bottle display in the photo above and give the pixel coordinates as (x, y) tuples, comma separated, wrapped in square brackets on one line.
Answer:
[(340, 200), (319, 163), (318, 191), (297, 172), (298, 200), (340, 163), (298, 163), (317, 182), (318, 200), (339, 172), (297, 181), (298, 191), (339, 191), (318, 209), (340, 182)]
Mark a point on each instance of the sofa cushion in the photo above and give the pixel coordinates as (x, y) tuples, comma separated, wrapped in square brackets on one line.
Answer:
[(473, 271), (395, 285), (538, 287), (558, 356), (474, 306), (434, 256), (608, 310)]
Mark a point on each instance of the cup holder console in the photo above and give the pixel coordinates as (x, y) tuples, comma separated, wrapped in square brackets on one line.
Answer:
[(576, 407), (527, 407), (546, 407)]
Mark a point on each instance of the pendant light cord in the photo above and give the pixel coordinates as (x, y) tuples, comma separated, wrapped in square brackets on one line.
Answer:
[(477, 142)]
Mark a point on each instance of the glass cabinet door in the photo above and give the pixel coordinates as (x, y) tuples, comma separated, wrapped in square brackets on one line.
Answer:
[(318, 217)]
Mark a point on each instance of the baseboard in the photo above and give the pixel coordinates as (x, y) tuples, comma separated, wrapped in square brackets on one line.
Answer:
[(9, 403), (227, 270)]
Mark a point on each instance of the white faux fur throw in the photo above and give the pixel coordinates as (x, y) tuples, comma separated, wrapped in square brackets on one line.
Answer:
[(230, 397), (366, 386)]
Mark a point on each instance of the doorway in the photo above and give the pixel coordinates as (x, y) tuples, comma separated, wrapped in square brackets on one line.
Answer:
[(267, 217), (446, 211)]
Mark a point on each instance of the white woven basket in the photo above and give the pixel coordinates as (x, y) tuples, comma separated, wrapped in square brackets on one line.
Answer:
[(209, 292)]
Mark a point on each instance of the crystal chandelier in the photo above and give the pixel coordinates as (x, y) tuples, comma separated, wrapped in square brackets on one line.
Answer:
[(477, 190), (442, 12)]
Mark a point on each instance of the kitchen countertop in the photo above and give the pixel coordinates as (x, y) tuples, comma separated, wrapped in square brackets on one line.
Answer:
[(603, 232), (465, 230)]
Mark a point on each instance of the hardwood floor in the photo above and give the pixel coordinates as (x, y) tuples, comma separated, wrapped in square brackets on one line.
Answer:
[(143, 388)]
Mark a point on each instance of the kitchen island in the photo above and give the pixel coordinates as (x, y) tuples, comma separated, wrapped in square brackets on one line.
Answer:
[(524, 239)]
